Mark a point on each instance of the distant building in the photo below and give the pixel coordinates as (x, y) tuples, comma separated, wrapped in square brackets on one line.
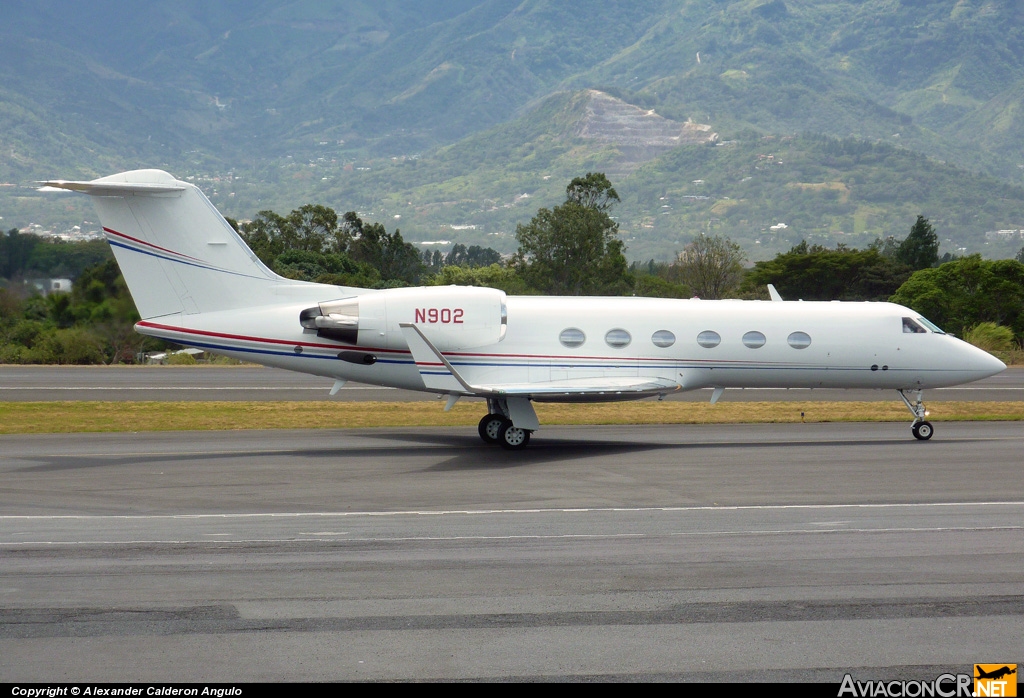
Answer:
[(1004, 234), (163, 357), (48, 286)]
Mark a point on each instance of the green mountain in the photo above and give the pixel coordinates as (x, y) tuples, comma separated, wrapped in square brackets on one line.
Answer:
[(240, 81), (941, 76), (274, 103), (676, 180)]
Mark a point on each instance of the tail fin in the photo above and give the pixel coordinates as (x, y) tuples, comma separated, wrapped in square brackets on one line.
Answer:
[(175, 250)]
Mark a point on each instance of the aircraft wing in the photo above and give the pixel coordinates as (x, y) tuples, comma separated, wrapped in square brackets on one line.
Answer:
[(588, 389), (439, 374)]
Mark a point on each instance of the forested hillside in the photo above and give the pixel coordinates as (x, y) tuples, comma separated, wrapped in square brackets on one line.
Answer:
[(818, 188), (282, 102)]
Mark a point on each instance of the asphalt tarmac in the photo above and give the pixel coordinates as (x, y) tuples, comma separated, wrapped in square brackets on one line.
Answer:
[(684, 553), (45, 383)]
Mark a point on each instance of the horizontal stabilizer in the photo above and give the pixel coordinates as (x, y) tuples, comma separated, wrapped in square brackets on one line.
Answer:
[(101, 188)]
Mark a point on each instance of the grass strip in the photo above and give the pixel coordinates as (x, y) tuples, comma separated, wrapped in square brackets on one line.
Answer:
[(72, 417)]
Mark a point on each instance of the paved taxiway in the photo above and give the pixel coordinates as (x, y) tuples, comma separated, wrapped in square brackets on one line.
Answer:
[(688, 552), (29, 383)]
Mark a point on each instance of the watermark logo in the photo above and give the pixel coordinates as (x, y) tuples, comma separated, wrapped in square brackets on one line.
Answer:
[(990, 681), (995, 680), (943, 686)]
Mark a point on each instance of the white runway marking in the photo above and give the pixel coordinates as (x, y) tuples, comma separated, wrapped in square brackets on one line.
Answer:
[(190, 388), (513, 524), (475, 512)]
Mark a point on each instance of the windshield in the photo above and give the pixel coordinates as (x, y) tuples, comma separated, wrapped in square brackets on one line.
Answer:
[(912, 327), (930, 325)]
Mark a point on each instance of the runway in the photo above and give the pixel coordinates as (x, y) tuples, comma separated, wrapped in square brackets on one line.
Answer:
[(45, 383), (704, 553)]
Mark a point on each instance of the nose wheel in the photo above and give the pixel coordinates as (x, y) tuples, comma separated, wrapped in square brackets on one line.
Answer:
[(921, 429)]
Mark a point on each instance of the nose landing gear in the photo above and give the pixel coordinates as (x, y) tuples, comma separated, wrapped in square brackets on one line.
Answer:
[(921, 429)]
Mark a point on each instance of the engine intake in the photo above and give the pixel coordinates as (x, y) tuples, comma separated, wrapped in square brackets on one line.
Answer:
[(334, 320)]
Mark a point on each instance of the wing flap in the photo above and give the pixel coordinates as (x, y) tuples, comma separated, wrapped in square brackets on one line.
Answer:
[(610, 389)]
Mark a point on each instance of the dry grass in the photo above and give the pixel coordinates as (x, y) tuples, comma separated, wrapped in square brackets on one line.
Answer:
[(69, 417), (1012, 357)]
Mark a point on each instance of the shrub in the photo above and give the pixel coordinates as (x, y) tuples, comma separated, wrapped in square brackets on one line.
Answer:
[(990, 336), (70, 346), (181, 359)]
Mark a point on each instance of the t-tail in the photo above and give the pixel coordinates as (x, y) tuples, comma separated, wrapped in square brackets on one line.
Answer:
[(177, 253)]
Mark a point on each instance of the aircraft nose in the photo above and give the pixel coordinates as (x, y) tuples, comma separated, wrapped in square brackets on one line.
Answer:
[(986, 364)]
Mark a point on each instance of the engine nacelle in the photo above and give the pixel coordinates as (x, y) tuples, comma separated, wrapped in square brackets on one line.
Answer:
[(451, 317)]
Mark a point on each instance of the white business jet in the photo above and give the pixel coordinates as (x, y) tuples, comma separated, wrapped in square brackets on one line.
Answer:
[(195, 282)]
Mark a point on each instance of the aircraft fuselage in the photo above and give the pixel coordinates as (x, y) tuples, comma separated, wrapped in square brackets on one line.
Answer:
[(760, 344)]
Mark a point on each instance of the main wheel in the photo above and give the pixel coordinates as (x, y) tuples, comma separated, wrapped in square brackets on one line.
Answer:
[(922, 430), (490, 427), (513, 438)]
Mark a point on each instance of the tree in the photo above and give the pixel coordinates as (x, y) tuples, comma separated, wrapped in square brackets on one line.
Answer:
[(813, 272), (315, 228), (25, 255), (474, 256), (572, 249), (310, 228), (15, 251), (266, 235), (651, 286), (492, 276), (592, 191), (311, 244), (336, 269), (395, 259), (889, 247), (968, 291), (711, 266), (921, 248)]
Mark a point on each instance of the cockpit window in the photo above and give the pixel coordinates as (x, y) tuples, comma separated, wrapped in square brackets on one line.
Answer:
[(910, 326), (930, 325)]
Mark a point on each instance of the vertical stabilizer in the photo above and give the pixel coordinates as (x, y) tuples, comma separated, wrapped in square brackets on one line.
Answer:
[(177, 253)]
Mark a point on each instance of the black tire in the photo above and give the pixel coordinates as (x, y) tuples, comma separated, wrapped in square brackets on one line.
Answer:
[(513, 438), (490, 427), (923, 431)]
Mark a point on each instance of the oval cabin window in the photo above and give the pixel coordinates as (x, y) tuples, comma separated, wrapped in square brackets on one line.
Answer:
[(753, 340), (618, 338), (799, 340), (663, 338), (572, 337), (709, 339)]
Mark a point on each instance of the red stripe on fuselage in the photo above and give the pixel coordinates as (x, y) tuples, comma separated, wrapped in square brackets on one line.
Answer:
[(247, 338)]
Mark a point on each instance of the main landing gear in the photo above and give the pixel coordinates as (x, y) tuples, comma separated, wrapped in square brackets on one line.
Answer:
[(921, 429), (497, 428)]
